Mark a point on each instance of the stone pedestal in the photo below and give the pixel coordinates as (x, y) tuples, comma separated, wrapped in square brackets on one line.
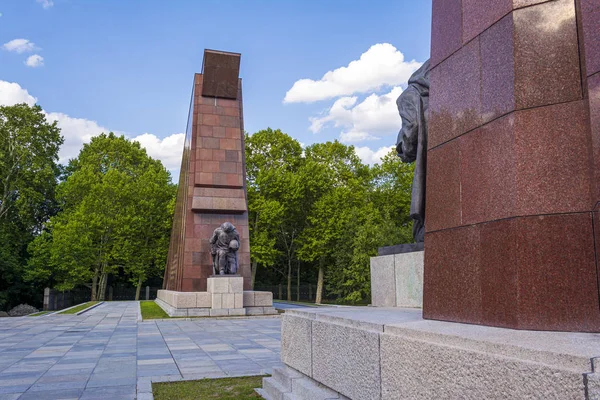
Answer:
[(393, 353), (225, 297), (513, 163), (397, 280)]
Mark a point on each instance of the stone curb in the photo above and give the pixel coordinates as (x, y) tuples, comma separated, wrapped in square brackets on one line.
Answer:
[(207, 318), (89, 308)]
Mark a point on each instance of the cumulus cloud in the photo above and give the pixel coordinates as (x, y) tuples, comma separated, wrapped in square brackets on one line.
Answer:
[(375, 115), (371, 157), (35, 61), (19, 46), (77, 131), (167, 150), (381, 65), (12, 93), (45, 3)]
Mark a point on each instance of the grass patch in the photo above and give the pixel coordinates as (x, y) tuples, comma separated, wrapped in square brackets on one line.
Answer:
[(80, 307), (37, 314), (222, 389), (151, 310)]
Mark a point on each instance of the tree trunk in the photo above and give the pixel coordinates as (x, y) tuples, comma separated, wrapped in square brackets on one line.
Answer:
[(102, 289), (319, 297), (95, 286), (298, 283), (254, 265), (139, 287), (289, 281)]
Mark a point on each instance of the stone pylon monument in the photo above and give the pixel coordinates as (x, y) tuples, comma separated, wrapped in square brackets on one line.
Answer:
[(212, 192), (212, 177)]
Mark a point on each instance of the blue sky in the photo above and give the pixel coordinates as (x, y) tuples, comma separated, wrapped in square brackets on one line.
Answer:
[(127, 66)]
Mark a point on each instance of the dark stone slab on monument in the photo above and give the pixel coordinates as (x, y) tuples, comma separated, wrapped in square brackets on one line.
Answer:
[(221, 70), (400, 248)]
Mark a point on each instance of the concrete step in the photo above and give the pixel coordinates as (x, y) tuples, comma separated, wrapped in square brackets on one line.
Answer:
[(284, 375), (290, 396), (306, 389), (273, 389)]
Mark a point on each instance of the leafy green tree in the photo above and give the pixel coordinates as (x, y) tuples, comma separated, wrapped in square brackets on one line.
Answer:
[(275, 197), (28, 176), (116, 203)]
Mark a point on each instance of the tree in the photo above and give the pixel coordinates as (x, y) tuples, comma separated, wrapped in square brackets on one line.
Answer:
[(28, 176), (116, 203), (275, 197)]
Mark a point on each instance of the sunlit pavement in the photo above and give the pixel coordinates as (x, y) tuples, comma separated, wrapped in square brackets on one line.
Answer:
[(108, 353)]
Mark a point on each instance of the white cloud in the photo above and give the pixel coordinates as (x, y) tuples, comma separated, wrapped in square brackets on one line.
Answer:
[(35, 61), (19, 46), (12, 93), (371, 157), (381, 65), (77, 131), (45, 3), (374, 115), (168, 150)]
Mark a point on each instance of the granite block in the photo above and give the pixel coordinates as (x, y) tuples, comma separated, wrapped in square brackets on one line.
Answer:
[(248, 298), (499, 273), (446, 29), (488, 172), (236, 284), (594, 104), (237, 311), (558, 286), (296, 342), (546, 50), (590, 22), (409, 279), (550, 178), (451, 287), (198, 312), (443, 192), (479, 15), (383, 281), (216, 301), (263, 299), (218, 285), (184, 300), (406, 372), (238, 300), (337, 346), (497, 69), (255, 310), (228, 300), (455, 95), (203, 299), (221, 312)]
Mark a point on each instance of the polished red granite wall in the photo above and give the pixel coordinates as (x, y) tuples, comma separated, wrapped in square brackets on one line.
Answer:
[(211, 189), (514, 164)]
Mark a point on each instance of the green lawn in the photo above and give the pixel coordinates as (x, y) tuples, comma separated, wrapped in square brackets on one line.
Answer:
[(151, 310), (37, 314), (204, 389), (80, 307)]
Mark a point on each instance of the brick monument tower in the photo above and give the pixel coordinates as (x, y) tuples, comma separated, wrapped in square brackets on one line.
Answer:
[(212, 187)]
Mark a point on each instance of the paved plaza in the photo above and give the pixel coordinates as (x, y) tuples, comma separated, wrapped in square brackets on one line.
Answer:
[(109, 353)]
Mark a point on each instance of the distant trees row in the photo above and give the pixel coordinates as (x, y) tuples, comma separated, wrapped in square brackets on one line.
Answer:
[(316, 214), (319, 213)]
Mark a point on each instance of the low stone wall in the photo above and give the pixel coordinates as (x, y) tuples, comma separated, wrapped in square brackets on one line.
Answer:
[(220, 302), (392, 353)]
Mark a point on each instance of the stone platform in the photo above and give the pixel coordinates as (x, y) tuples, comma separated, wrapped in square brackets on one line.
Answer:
[(393, 353), (225, 297)]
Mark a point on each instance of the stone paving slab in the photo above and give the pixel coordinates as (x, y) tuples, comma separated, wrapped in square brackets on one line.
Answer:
[(108, 353)]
